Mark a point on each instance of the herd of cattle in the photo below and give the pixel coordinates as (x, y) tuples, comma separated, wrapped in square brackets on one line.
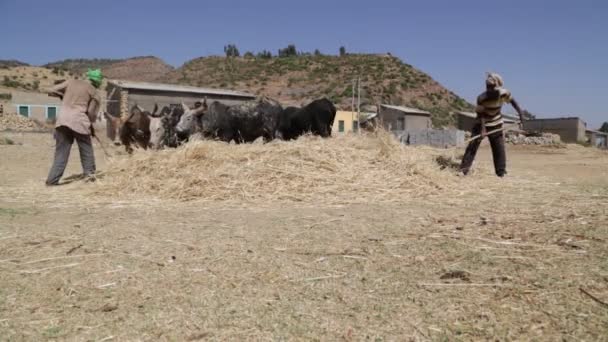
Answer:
[(240, 123)]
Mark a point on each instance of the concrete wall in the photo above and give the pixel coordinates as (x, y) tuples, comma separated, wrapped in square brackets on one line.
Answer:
[(37, 104), (347, 117), (571, 130), (599, 140), (432, 137), (396, 120), (414, 122)]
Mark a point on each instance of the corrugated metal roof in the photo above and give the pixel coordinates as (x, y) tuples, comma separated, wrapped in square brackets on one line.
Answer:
[(595, 131), (407, 109), (177, 88)]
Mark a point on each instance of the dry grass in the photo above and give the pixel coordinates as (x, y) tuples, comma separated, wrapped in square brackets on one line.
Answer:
[(345, 169), (475, 258)]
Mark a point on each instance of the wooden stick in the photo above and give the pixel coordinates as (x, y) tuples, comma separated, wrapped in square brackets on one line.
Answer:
[(49, 268), (103, 148), (324, 277), (479, 135), (62, 257), (471, 285), (604, 304)]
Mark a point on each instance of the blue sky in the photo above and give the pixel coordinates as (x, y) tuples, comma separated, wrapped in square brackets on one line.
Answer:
[(553, 55)]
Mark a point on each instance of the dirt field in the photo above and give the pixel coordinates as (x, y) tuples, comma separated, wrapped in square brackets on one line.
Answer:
[(521, 258)]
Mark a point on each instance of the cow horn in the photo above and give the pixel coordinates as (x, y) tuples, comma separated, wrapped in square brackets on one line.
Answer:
[(200, 110), (155, 108), (140, 108), (185, 107)]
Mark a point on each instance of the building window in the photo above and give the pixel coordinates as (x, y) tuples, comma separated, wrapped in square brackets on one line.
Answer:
[(401, 124), (355, 126), (24, 110), (341, 126), (51, 113)]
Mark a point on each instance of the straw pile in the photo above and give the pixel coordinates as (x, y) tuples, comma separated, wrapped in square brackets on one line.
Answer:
[(346, 169)]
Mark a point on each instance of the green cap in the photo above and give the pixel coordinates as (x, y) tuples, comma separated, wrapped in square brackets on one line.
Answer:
[(95, 77)]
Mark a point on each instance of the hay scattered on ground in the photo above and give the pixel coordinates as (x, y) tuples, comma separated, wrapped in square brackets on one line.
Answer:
[(346, 169)]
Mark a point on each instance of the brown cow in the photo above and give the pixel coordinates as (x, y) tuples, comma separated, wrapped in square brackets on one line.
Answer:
[(135, 129)]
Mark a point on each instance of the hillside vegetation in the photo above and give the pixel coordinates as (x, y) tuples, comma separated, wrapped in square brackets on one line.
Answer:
[(80, 65), (145, 69), (293, 78), (298, 79), (30, 78), (11, 63)]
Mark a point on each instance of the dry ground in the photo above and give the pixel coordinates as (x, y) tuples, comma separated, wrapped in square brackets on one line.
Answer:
[(492, 259)]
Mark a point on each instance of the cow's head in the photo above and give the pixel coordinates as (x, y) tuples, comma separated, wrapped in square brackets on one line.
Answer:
[(188, 122), (157, 132)]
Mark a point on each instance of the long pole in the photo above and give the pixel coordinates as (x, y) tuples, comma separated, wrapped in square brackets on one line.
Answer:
[(358, 103), (352, 106)]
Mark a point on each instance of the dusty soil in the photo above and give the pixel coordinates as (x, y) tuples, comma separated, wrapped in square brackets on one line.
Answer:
[(522, 258)]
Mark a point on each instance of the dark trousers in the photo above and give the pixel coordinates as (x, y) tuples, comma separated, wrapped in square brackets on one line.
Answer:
[(64, 138), (497, 142)]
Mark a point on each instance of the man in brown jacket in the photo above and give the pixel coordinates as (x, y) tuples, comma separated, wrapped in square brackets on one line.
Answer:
[(74, 122)]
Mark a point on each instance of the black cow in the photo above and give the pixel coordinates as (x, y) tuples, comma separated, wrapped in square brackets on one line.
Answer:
[(242, 123), (317, 117)]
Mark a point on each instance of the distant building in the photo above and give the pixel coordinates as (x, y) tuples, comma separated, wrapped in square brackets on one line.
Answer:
[(597, 138), (347, 121), (401, 118), (571, 129), (122, 95), (466, 120), (37, 106)]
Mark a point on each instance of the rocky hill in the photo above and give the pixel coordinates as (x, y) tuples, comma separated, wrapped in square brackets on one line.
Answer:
[(298, 79), (30, 78), (79, 66), (11, 63), (290, 79), (146, 69)]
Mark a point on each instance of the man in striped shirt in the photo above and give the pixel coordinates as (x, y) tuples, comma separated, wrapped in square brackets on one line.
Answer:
[(489, 105)]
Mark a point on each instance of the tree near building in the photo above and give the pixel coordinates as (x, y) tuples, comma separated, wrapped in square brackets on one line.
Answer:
[(289, 51), (604, 127), (264, 54), (342, 51), (231, 50)]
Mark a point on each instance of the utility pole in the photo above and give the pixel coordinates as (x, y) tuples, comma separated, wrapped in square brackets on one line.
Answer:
[(358, 103), (352, 106)]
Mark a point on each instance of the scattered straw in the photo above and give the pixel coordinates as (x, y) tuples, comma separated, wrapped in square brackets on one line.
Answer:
[(345, 169)]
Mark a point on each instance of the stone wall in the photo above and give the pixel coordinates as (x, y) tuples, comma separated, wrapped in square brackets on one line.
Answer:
[(515, 138), (442, 138)]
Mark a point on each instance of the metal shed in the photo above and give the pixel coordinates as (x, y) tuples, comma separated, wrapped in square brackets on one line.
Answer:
[(597, 139), (122, 95), (401, 118)]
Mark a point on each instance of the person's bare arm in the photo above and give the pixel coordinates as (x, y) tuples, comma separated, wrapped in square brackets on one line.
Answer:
[(58, 90), (93, 108), (518, 109)]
